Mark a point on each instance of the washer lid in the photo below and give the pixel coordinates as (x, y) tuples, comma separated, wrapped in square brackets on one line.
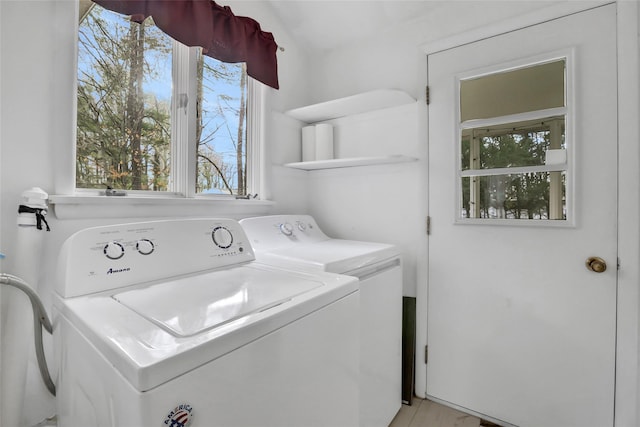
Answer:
[(139, 335), (333, 255), (189, 306)]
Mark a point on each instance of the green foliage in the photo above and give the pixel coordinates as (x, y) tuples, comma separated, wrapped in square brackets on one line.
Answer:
[(524, 195), (123, 137), (124, 114)]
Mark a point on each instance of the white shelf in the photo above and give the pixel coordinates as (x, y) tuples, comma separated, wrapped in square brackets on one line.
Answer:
[(350, 162), (356, 104)]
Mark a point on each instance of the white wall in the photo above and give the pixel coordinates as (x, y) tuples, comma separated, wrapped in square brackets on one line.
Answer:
[(383, 203), (347, 206), (25, 140), (395, 59), (628, 344), (37, 82)]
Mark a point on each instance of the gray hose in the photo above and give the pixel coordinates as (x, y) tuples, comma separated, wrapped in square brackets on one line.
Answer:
[(40, 320)]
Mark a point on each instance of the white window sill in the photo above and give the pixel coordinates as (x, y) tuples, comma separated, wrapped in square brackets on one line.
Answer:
[(88, 207)]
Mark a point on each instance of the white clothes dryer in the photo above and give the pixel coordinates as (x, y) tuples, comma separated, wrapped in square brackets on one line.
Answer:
[(173, 323), (297, 242)]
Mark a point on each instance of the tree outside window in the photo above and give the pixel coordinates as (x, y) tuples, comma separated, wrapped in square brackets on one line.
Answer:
[(124, 118)]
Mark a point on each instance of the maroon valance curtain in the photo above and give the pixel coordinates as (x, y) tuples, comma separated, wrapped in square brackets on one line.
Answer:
[(215, 28)]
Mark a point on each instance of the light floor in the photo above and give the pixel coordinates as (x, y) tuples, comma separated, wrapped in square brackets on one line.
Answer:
[(424, 413)]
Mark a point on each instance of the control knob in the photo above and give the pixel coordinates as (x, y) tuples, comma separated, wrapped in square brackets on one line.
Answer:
[(286, 229), (113, 250), (145, 246), (222, 237), (301, 226)]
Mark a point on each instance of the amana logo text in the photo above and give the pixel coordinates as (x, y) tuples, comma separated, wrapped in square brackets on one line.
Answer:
[(117, 270)]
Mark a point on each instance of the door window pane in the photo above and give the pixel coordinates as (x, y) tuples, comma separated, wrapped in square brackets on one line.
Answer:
[(518, 196), (513, 144), (533, 88)]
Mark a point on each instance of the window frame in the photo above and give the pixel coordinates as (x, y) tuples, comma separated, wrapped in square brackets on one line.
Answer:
[(183, 172), (70, 202), (567, 55)]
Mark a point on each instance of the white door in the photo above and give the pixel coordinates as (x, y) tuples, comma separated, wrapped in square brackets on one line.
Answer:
[(519, 329)]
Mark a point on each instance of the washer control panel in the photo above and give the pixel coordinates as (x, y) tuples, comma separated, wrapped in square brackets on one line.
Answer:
[(114, 256)]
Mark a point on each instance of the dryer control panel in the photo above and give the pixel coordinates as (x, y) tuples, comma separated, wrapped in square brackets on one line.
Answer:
[(272, 232), (109, 257)]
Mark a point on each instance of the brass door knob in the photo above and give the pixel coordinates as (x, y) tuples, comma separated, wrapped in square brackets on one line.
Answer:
[(596, 264)]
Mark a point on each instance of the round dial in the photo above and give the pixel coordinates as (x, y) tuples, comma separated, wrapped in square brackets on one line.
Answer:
[(222, 237), (113, 250), (145, 246), (301, 226), (286, 229)]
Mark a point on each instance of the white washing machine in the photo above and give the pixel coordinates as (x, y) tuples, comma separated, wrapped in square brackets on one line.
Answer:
[(296, 242), (173, 323)]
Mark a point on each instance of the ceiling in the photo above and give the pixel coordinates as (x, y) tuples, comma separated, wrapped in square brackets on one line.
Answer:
[(326, 24)]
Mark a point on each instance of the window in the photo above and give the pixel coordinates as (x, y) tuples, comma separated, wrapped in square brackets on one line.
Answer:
[(156, 116), (513, 159)]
